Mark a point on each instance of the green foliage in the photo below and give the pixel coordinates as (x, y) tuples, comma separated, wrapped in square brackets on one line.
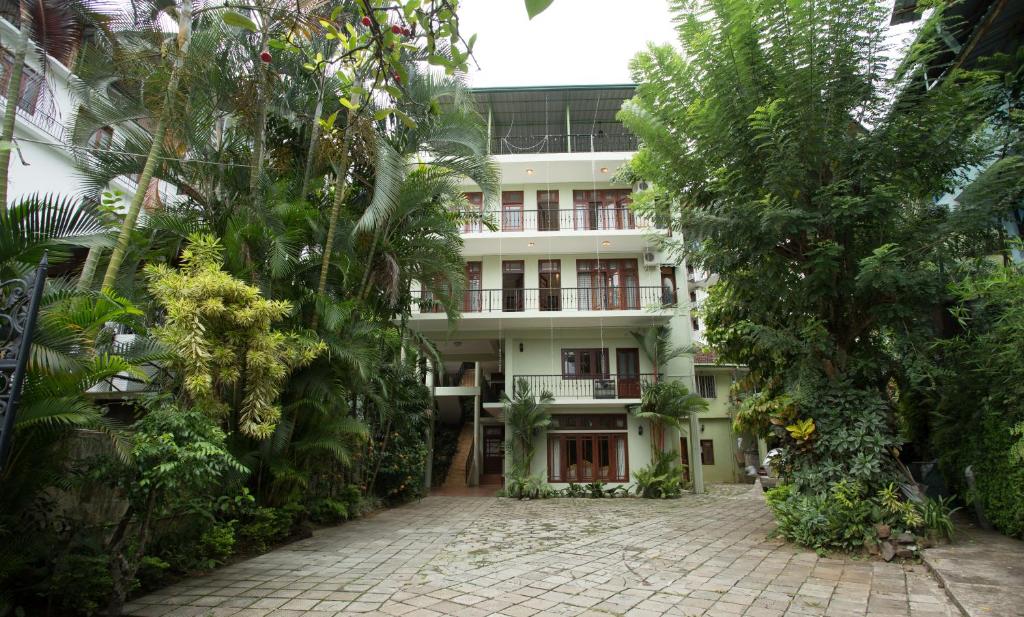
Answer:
[(327, 511), (937, 515), (221, 330), (667, 404), (662, 478), (528, 487), (810, 173), (81, 582), (263, 528), (525, 415)]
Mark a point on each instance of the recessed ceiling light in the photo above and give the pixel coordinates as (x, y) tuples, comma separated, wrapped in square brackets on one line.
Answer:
[(529, 172), (604, 170), (606, 243), (530, 243)]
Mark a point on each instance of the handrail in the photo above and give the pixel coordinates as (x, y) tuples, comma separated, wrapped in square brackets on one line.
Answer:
[(470, 460), (582, 299), (605, 386), (597, 218), (556, 144)]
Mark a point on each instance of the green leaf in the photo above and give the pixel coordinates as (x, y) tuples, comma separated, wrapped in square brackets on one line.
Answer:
[(406, 120), (238, 20), (471, 42), (380, 114), (348, 104), (536, 7)]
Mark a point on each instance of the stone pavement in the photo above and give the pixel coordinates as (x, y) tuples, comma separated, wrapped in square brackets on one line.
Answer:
[(982, 571), (478, 556)]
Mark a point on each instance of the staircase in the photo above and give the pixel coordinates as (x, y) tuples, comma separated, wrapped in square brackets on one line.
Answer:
[(457, 472)]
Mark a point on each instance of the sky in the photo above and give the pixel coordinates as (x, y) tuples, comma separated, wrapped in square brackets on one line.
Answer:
[(573, 42)]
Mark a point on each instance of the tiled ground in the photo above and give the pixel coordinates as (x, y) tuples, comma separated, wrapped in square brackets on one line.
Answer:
[(477, 556)]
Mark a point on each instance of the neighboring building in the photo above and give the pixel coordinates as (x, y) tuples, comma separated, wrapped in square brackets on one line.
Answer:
[(43, 161), (553, 293)]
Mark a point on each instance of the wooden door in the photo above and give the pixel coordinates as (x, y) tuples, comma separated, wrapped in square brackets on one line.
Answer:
[(512, 211), (684, 452), (493, 451), (627, 369)]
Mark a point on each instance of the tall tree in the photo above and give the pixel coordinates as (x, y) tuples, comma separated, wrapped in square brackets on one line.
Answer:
[(804, 170)]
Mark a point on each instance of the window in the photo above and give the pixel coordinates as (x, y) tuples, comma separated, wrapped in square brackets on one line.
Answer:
[(707, 452), (588, 457), (31, 85), (695, 323), (476, 207), (588, 421), (693, 297), (706, 386), (585, 363), (547, 211), (607, 284), (550, 277), (511, 210), (473, 301), (607, 209), (102, 138)]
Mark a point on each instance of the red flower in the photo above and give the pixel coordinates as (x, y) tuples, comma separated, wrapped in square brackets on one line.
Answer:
[(265, 56), (406, 31), (398, 78), (396, 29), (366, 21)]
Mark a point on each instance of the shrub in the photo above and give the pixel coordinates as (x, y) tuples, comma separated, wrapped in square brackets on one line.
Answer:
[(81, 583), (528, 487), (327, 511), (662, 479), (267, 526)]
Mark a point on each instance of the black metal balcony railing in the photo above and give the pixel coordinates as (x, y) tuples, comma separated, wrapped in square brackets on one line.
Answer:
[(579, 219), (556, 144), (601, 387), (627, 298)]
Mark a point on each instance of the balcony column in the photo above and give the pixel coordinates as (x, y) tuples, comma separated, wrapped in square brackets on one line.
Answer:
[(474, 477), (696, 468), (568, 130)]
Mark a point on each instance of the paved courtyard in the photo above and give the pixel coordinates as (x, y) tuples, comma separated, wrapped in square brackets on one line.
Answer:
[(478, 556)]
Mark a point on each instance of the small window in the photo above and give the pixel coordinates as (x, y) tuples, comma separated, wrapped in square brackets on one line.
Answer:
[(707, 452), (695, 323), (693, 297), (102, 138), (706, 386)]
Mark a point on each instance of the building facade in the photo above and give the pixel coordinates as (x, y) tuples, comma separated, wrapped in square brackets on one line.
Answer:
[(559, 273)]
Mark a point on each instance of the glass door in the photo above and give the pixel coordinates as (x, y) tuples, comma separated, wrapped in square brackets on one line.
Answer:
[(627, 372), (512, 211), (474, 287)]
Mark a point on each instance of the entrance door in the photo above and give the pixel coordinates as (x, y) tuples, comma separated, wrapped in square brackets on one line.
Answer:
[(512, 282), (627, 363), (684, 453), (473, 302), (493, 454), (511, 210)]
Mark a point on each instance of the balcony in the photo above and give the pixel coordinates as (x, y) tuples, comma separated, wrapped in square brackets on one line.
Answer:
[(554, 299), (561, 144), (605, 387), (580, 219), (583, 307)]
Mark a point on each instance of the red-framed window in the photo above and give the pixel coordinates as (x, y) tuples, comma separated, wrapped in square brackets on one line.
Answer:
[(588, 457), (607, 284), (602, 209), (476, 206), (511, 210), (549, 274), (547, 211), (585, 363), (31, 84)]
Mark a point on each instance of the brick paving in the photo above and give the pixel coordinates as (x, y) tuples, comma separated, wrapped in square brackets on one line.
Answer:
[(478, 556)]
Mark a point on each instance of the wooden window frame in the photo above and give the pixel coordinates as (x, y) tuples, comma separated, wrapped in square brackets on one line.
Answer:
[(550, 297), (588, 422), (601, 351), (476, 202), (472, 301), (512, 201), (614, 474), (548, 198)]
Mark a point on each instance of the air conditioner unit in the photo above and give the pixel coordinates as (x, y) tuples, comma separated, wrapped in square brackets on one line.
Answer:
[(641, 185), (650, 258)]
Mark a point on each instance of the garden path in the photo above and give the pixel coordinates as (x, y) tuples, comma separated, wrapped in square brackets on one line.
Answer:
[(478, 556)]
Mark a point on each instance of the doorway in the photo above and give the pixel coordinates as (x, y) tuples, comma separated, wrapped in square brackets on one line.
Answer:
[(473, 302), (627, 369), (550, 277), (513, 278), (493, 454)]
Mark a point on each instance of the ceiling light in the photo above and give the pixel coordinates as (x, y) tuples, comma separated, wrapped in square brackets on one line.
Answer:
[(529, 172), (530, 243), (606, 243), (604, 170)]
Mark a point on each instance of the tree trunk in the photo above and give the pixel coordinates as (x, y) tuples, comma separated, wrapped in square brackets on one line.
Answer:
[(11, 110), (340, 189), (259, 136), (314, 141), (117, 256), (92, 261), (126, 557)]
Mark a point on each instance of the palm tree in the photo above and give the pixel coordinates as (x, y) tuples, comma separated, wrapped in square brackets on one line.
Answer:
[(525, 415), (656, 343), (667, 404)]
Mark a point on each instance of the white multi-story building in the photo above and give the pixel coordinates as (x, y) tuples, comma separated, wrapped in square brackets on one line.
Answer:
[(555, 287)]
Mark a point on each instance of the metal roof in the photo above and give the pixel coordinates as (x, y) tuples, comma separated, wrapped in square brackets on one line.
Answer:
[(545, 106)]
